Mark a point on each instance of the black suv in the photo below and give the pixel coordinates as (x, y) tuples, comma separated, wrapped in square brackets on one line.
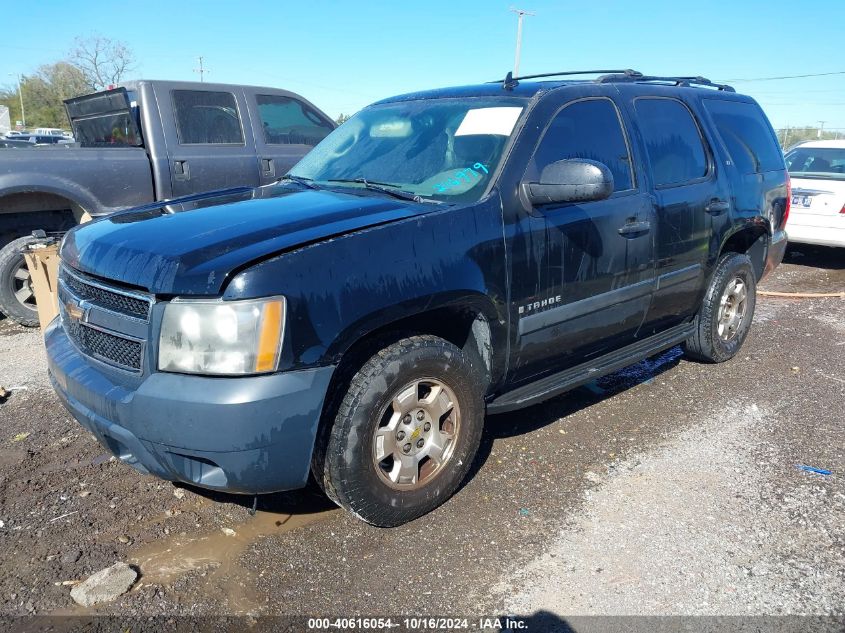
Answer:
[(440, 256)]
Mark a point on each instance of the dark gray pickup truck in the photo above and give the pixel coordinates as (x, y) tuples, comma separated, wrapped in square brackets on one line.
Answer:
[(142, 142)]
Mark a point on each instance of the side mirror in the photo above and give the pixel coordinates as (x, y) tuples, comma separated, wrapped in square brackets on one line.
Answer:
[(570, 180)]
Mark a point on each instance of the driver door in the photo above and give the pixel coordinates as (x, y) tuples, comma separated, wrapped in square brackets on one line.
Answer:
[(594, 260)]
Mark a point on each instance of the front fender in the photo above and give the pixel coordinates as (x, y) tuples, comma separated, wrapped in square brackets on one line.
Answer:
[(342, 289)]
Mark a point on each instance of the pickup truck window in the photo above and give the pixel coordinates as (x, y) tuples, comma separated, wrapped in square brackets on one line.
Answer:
[(588, 129), (107, 130), (750, 143), (207, 117), (286, 121), (673, 140), (446, 149)]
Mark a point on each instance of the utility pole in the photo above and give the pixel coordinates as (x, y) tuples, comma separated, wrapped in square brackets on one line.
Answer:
[(20, 94), (201, 70), (821, 128), (520, 14)]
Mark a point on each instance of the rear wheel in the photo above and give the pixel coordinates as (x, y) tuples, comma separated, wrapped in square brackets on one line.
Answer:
[(726, 313), (17, 299), (406, 432)]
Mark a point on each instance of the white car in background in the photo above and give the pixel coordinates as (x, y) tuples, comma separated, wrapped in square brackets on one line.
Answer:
[(817, 214)]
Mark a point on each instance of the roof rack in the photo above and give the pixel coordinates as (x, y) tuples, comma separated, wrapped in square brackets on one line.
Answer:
[(675, 81), (618, 76), (510, 82)]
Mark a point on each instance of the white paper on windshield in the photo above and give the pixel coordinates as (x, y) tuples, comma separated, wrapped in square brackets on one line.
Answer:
[(489, 121)]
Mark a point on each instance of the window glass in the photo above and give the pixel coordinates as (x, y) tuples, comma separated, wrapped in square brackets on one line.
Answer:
[(207, 117), (817, 162), (750, 143), (286, 121), (106, 130), (592, 130), (444, 149), (672, 139)]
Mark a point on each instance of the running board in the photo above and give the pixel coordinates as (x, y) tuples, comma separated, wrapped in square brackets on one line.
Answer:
[(596, 368)]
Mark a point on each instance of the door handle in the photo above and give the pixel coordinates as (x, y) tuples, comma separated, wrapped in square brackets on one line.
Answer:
[(635, 228), (181, 170), (716, 206), (268, 168)]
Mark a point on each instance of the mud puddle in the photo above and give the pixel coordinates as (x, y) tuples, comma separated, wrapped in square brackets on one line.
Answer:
[(214, 558)]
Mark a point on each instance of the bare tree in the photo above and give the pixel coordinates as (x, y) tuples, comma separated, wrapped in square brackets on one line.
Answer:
[(104, 62)]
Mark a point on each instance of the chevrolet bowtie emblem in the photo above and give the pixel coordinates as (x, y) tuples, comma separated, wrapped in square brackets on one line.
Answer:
[(74, 310)]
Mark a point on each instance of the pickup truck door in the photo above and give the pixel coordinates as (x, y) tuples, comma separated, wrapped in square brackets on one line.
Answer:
[(209, 139), (689, 194), (285, 127), (588, 282)]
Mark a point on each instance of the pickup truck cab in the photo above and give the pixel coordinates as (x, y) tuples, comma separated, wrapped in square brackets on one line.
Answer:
[(439, 256), (145, 141)]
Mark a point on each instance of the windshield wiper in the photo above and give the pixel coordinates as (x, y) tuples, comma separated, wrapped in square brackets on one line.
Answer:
[(305, 182), (384, 187)]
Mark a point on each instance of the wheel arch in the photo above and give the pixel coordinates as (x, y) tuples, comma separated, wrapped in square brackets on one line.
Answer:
[(751, 240)]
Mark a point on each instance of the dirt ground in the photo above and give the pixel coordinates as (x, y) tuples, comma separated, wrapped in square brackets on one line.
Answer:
[(667, 488)]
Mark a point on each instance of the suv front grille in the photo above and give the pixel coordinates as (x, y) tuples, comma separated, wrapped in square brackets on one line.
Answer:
[(104, 322), (110, 299), (108, 347)]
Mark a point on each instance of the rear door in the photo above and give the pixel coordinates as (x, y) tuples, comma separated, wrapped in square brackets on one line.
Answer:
[(286, 127), (687, 191), (210, 142)]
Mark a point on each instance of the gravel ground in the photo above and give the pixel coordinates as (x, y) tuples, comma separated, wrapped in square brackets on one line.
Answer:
[(667, 488)]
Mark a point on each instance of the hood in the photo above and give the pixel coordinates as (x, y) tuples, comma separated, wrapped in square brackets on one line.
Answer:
[(192, 245)]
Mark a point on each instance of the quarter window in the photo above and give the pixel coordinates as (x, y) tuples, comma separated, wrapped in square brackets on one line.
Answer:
[(588, 129), (287, 121), (673, 141), (207, 117), (749, 141)]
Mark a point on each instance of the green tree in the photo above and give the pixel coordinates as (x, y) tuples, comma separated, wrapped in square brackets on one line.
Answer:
[(342, 118), (44, 93)]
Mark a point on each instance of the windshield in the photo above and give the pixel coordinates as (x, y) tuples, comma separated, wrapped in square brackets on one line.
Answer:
[(817, 162), (442, 149)]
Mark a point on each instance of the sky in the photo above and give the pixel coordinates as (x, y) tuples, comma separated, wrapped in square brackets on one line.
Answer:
[(345, 55)]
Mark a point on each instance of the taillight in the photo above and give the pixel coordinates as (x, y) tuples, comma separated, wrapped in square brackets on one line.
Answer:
[(842, 210), (788, 204)]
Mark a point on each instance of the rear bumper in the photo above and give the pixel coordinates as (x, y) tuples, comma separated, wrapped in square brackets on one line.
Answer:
[(249, 435), (820, 235), (775, 252)]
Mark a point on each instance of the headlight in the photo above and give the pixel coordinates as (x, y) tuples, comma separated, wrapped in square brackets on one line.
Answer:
[(221, 337)]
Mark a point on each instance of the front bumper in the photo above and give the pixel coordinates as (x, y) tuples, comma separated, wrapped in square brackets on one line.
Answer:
[(249, 435)]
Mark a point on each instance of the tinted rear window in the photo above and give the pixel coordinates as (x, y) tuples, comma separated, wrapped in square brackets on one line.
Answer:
[(675, 150), (747, 137)]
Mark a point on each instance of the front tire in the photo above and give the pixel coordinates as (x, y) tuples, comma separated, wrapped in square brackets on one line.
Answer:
[(405, 433), (17, 300), (723, 322)]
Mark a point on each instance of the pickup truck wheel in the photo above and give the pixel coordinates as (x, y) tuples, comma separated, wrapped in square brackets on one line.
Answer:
[(725, 316), (17, 300), (406, 432)]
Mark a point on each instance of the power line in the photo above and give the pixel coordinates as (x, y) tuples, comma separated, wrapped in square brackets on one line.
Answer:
[(838, 72)]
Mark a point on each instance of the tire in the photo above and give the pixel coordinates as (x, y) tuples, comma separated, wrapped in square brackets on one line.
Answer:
[(17, 301), (395, 394), (715, 340)]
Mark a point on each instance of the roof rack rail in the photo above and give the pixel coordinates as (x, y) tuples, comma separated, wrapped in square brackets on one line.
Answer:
[(613, 76), (510, 82), (676, 81)]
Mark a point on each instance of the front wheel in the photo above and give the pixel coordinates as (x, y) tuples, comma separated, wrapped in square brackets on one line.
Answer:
[(726, 313), (406, 432), (17, 299)]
